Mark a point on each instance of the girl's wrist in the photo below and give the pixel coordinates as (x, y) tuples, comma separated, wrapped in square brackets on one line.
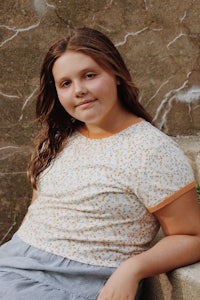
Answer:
[(134, 268)]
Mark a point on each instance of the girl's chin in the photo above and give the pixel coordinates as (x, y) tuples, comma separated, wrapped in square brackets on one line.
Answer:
[(88, 120)]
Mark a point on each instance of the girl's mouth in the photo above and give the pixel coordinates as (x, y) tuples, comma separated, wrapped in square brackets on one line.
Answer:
[(85, 103)]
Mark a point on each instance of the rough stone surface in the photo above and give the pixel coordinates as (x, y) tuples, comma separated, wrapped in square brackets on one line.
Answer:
[(160, 43), (186, 282), (181, 284)]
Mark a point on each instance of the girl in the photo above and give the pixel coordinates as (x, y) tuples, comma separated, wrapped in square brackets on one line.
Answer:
[(104, 179)]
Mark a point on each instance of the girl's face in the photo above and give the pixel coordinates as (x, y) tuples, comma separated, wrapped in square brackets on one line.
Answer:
[(87, 91)]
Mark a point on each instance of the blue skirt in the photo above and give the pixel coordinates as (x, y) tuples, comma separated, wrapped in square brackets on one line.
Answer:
[(27, 273)]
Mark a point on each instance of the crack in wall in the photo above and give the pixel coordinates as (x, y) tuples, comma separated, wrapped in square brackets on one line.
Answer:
[(26, 102)]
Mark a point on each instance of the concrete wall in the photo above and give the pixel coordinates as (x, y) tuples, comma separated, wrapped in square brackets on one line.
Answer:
[(160, 43)]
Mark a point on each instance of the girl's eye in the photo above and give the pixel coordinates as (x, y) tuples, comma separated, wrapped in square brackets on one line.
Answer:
[(90, 75), (65, 83)]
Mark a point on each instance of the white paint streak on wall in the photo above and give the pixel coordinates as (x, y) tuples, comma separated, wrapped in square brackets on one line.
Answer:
[(145, 5), (183, 17), (8, 151), (158, 90), (104, 28), (176, 38), (189, 97), (17, 31), (8, 147), (27, 101), (9, 96), (41, 7), (50, 5), (130, 34), (181, 34), (156, 29)]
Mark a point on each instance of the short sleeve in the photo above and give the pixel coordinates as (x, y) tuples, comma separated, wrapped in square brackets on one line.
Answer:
[(164, 176)]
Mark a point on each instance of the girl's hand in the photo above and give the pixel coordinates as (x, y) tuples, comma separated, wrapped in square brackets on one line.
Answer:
[(121, 285)]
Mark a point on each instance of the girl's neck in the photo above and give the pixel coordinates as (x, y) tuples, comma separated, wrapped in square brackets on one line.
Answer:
[(111, 125)]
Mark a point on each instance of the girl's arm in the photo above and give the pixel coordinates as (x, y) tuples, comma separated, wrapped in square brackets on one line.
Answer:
[(180, 222)]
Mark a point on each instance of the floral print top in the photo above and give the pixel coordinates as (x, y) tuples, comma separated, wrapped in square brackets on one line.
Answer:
[(96, 200)]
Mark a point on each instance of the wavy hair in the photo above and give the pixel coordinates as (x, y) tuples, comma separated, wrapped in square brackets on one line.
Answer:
[(57, 124)]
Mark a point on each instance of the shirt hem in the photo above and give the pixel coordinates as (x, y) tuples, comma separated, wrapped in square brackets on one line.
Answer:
[(173, 197), (90, 261)]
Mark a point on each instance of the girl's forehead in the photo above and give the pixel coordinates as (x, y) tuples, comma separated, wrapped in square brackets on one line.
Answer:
[(76, 55), (76, 60)]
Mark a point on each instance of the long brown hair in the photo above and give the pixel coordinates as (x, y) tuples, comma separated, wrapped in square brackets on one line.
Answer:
[(57, 124)]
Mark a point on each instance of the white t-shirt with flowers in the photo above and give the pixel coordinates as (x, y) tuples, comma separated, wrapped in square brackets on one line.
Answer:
[(96, 200)]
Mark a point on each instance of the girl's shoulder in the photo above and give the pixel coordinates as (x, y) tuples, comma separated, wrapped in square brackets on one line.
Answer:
[(145, 132)]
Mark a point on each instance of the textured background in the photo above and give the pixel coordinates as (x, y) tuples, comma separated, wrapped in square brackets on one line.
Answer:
[(160, 41)]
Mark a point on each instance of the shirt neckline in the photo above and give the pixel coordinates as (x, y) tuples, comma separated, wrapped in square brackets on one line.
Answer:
[(86, 133)]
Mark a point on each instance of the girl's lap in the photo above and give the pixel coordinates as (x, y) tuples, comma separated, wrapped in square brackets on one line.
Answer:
[(16, 287), (29, 273)]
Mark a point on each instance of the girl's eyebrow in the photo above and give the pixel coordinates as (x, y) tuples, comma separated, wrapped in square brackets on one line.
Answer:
[(64, 78), (88, 69)]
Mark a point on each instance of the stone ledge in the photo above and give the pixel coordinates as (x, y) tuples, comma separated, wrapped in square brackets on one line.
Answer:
[(186, 282), (180, 284)]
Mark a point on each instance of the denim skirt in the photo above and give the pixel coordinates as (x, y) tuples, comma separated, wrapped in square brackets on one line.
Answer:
[(27, 273)]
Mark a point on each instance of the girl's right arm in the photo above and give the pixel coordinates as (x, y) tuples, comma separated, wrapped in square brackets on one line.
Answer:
[(180, 221)]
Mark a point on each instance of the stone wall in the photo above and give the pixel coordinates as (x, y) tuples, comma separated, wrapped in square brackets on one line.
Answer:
[(159, 41)]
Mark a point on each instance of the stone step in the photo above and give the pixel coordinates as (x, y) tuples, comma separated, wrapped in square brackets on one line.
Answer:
[(180, 284)]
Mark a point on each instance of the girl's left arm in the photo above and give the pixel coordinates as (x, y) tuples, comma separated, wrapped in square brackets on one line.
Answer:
[(180, 222)]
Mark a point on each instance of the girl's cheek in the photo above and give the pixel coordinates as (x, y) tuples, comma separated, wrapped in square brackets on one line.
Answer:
[(96, 87), (62, 95)]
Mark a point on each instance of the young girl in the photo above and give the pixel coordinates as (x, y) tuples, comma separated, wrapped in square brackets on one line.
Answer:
[(104, 179)]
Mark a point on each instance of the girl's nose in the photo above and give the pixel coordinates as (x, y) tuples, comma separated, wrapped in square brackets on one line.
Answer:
[(79, 89)]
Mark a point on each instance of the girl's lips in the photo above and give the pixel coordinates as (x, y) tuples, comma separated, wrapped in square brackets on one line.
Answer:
[(85, 102)]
